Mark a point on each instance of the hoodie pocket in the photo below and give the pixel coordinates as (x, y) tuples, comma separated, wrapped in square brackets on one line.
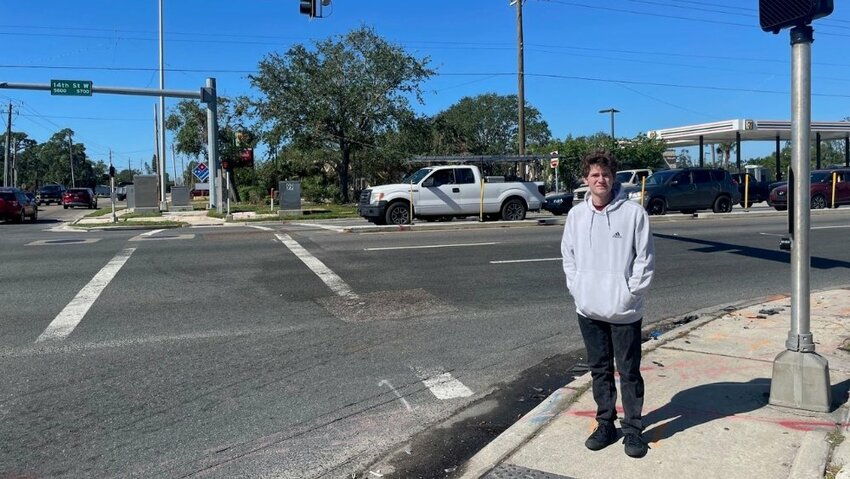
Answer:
[(602, 295)]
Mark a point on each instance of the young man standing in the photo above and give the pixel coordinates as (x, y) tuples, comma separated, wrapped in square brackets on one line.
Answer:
[(609, 260)]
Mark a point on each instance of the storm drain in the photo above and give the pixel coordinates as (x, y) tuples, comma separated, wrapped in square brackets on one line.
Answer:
[(509, 471), (385, 306)]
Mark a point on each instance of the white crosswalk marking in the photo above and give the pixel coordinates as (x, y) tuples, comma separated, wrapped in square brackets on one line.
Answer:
[(444, 386), (68, 319), (334, 282)]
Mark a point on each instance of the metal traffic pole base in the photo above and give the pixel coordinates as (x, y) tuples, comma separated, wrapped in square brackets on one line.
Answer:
[(801, 381), (800, 376)]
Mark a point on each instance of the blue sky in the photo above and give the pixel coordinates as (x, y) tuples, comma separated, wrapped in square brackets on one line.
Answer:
[(662, 63)]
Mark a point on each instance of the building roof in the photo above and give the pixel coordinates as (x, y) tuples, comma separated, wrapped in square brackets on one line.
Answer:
[(750, 130)]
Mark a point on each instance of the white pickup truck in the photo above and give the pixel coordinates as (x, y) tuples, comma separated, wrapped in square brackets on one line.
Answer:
[(446, 192)]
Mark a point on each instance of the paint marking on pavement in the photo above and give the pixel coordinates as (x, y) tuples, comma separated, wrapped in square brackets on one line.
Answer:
[(829, 227), (334, 282), (772, 234), (398, 395), (429, 246), (68, 319), (264, 228), (151, 232), (532, 260), (338, 229), (444, 386), (162, 238)]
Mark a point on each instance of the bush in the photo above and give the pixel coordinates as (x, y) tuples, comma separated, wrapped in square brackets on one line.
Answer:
[(316, 189)]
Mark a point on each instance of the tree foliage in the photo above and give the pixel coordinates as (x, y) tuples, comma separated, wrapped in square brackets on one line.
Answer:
[(339, 95), (487, 124)]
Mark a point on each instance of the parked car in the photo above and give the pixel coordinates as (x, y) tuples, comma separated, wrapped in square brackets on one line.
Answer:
[(624, 177), (51, 193), (15, 206), (102, 191), (79, 197), (759, 185), (688, 190), (820, 194), (558, 203)]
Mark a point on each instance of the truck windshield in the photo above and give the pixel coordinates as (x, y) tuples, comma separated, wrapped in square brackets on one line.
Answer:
[(417, 176)]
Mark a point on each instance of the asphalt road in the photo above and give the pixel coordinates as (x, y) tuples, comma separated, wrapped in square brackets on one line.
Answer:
[(295, 351)]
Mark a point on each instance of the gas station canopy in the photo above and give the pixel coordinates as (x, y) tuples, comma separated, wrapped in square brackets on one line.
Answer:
[(730, 131)]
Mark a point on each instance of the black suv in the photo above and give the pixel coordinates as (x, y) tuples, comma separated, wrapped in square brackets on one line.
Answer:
[(50, 194), (688, 190)]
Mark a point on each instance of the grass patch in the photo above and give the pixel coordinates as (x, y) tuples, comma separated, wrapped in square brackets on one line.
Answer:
[(835, 438), (832, 471)]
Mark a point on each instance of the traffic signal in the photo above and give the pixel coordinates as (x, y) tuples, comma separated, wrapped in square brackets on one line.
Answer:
[(774, 15), (111, 171), (308, 7), (225, 164)]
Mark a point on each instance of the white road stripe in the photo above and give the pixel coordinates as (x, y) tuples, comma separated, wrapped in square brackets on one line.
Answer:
[(151, 232), (68, 319), (264, 228), (162, 238), (525, 260), (334, 282), (429, 246), (444, 386), (829, 227)]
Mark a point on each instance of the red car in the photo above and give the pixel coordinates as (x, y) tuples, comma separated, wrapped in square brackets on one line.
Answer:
[(79, 197), (821, 190), (15, 206)]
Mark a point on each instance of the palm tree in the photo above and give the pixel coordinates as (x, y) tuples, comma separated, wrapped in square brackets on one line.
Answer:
[(725, 149)]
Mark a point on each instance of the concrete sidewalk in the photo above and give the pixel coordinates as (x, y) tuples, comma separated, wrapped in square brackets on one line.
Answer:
[(706, 411)]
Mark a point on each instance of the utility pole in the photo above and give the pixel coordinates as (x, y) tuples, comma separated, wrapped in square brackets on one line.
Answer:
[(155, 164), (8, 143), (520, 79), (71, 157), (161, 142), (174, 163)]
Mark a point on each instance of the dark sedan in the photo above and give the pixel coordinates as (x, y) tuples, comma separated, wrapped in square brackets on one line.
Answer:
[(558, 203)]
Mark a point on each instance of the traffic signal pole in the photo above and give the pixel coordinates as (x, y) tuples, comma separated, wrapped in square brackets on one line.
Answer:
[(800, 376)]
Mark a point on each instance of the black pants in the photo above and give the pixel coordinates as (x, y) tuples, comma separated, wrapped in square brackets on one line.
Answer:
[(605, 343)]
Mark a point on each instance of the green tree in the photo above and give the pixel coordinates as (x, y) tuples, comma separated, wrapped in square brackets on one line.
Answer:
[(339, 95), (487, 125)]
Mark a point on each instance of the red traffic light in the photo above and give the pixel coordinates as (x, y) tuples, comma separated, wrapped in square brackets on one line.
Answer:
[(774, 15)]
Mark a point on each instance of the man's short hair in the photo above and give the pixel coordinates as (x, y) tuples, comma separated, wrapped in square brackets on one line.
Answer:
[(601, 158)]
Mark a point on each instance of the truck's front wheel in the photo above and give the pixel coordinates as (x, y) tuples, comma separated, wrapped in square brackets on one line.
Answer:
[(513, 210), (398, 214)]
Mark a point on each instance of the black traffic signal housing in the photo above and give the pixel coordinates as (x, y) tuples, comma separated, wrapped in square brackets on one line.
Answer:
[(308, 7), (774, 15), (111, 171)]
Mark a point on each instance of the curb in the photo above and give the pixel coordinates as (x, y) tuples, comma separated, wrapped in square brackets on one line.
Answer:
[(528, 426)]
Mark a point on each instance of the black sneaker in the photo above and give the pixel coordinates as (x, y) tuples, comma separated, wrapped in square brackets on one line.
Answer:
[(603, 436), (634, 445)]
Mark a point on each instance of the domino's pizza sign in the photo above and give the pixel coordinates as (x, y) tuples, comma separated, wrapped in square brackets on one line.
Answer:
[(201, 172)]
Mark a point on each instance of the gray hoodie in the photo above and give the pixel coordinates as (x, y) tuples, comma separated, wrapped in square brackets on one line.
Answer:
[(609, 259)]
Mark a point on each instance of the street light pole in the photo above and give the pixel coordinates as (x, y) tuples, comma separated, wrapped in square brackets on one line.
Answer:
[(161, 146), (612, 111)]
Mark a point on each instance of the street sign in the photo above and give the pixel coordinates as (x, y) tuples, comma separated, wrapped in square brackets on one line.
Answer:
[(553, 162), (70, 87), (201, 172)]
